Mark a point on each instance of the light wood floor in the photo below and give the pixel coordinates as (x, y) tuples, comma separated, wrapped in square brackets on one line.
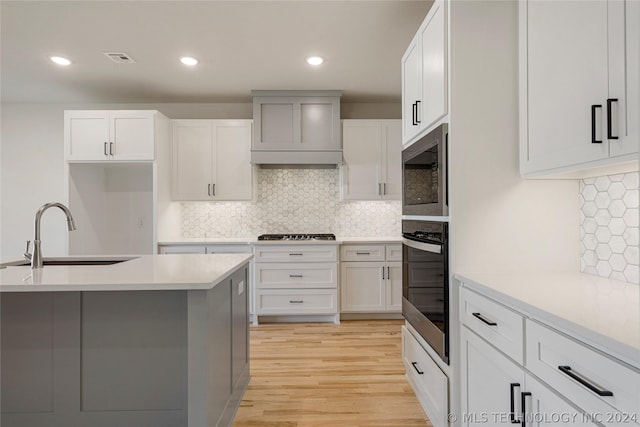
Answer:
[(320, 374)]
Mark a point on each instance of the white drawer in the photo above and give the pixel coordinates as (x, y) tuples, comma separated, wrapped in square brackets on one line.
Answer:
[(394, 252), (181, 249), (497, 324), (428, 381), (296, 275), (296, 253), (229, 249), (305, 301), (548, 350), (362, 253)]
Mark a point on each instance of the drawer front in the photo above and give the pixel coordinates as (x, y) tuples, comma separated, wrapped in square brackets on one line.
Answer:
[(296, 275), (181, 249), (229, 249), (428, 381), (394, 252), (494, 322), (547, 350), (296, 253), (362, 253), (305, 301)]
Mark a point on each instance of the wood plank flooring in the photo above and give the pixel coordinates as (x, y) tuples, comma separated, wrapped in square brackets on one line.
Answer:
[(319, 374)]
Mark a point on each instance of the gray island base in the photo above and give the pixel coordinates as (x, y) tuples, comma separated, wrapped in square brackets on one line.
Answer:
[(139, 358)]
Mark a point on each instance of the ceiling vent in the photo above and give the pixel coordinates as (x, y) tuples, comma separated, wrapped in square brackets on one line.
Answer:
[(119, 57)]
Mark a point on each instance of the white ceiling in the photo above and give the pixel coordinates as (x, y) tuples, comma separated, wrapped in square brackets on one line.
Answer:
[(241, 45)]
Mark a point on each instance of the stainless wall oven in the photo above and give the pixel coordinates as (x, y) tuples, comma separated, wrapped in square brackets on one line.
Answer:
[(424, 175), (425, 281)]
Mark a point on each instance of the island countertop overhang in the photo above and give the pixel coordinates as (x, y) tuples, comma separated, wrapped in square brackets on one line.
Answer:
[(142, 273)]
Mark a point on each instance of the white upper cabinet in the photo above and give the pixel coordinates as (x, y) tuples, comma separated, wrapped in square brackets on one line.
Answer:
[(96, 135), (372, 165), (424, 75), (578, 84), (211, 160)]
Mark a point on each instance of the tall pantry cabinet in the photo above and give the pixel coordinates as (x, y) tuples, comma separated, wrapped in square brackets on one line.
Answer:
[(115, 164)]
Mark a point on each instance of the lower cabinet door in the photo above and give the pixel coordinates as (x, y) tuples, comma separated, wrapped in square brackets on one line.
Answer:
[(394, 287), (490, 383), (363, 287)]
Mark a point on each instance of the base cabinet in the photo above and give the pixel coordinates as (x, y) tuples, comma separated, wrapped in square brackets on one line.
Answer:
[(560, 381), (371, 279)]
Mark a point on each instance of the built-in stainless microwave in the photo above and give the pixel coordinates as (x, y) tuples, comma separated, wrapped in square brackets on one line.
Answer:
[(424, 175)]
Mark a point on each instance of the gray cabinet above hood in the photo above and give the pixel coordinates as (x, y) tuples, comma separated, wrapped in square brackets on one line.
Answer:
[(296, 127)]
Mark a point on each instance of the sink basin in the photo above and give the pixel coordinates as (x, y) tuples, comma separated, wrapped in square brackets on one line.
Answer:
[(69, 261)]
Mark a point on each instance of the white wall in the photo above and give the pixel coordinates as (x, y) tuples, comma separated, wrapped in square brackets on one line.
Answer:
[(32, 163)]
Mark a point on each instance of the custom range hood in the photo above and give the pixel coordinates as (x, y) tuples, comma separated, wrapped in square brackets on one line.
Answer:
[(293, 127)]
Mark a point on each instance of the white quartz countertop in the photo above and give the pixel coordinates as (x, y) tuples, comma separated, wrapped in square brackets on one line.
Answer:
[(254, 240), (604, 313), (147, 272)]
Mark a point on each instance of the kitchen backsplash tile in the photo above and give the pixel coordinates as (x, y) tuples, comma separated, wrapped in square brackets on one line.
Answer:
[(609, 226), (293, 201)]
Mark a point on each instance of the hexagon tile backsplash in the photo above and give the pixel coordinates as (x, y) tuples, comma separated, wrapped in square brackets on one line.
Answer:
[(609, 226), (293, 201)]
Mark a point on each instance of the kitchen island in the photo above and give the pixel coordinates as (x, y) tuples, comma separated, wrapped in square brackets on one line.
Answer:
[(158, 340)]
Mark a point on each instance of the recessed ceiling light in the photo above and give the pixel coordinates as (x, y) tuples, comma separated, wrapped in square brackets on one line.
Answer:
[(187, 60), (315, 60), (60, 60)]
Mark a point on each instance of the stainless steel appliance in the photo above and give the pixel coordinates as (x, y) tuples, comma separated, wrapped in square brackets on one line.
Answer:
[(425, 281), (297, 237), (424, 175)]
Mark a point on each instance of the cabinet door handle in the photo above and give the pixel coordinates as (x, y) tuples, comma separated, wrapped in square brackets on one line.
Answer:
[(384, 188), (523, 402), (209, 190), (417, 115), (584, 381), (213, 188), (363, 253), (593, 124), (609, 120), (484, 319), (105, 149), (414, 113), (512, 414), (382, 271), (111, 148), (295, 254), (388, 273), (415, 366), (379, 189), (296, 276), (296, 301)]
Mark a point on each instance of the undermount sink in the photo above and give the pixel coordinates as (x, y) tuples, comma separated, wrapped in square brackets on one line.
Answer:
[(70, 261)]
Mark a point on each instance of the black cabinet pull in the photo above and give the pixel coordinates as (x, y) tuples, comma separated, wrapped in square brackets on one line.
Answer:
[(584, 381), (295, 275), (523, 397), (105, 149), (593, 124), (111, 148), (363, 253), (488, 322), (417, 121), (512, 414), (414, 112), (295, 254), (299, 301), (415, 366), (609, 121)]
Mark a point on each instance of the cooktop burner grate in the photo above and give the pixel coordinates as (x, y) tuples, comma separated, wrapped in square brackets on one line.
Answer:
[(297, 237)]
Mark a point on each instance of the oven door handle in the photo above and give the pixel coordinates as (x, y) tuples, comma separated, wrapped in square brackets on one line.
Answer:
[(422, 246)]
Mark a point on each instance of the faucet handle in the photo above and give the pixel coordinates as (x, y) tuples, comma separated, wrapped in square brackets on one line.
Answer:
[(26, 252)]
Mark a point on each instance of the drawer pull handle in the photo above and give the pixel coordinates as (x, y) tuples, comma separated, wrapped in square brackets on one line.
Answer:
[(415, 366), (594, 139), (295, 275), (295, 254), (610, 135), (363, 253), (481, 317), (296, 301), (584, 381), (512, 414), (523, 396)]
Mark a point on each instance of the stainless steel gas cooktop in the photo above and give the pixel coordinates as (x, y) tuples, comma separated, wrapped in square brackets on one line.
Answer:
[(297, 237)]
